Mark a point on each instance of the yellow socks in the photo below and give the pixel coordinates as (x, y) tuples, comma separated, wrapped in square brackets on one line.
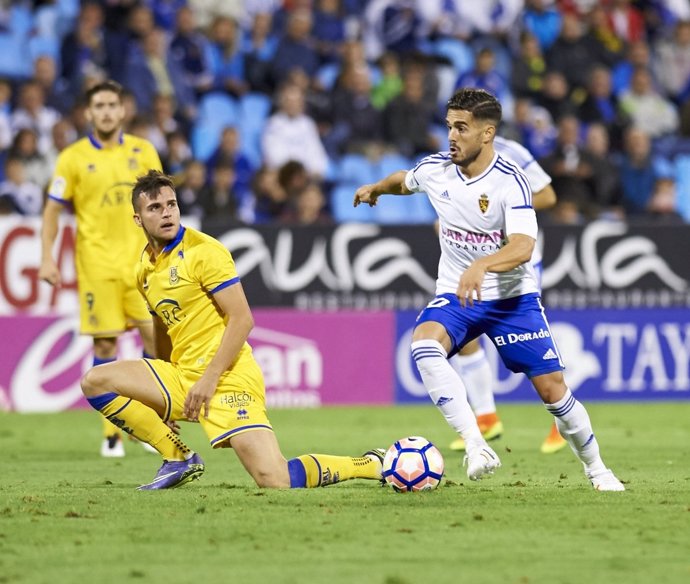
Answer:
[(319, 470), (141, 422)]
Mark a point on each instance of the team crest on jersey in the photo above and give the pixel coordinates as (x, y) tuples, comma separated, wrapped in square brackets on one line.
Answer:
[(174, 278), (483, 203), (133, 164)]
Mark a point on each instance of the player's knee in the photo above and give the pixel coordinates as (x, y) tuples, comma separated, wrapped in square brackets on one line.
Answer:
[(271, 479), (93, 382)]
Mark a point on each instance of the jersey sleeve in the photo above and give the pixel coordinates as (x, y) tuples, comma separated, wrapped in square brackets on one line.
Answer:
[(538, 178), (519, 213), (62, 185), (151, 159), (415, 178), (215, 269)]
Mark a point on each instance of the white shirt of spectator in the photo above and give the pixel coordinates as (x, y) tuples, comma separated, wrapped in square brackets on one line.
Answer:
[(476, 216), (294, 138)]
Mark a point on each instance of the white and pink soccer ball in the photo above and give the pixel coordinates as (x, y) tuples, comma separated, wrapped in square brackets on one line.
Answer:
[(413, 464)]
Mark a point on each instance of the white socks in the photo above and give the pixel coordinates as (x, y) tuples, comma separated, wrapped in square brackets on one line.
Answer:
[(446, 390), (476, 373), (574, 425)]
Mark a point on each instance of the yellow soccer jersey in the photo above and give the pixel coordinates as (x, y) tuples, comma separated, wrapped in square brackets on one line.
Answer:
[(179, 286), (98, 182)]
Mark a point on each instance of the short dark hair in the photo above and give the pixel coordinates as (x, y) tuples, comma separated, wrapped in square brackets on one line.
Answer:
[(150, 185), (480, 103), (108, 85)]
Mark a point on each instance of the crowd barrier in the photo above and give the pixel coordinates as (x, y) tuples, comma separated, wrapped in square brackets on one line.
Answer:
[(335, 307)]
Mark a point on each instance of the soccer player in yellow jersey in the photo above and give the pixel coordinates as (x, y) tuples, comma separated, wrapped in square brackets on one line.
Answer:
[(205, 369), (95, 175)]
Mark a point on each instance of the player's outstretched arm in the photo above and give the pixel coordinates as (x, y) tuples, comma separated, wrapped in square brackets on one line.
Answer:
[(49, 271), (393, 184), (240, 322), (516, 252)]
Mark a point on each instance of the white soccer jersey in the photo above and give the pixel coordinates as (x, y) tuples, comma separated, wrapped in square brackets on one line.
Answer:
[(537, 176), (516, 152), (476, 216)]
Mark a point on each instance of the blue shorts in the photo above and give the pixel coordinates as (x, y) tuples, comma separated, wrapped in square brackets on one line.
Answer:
[(516, 326)]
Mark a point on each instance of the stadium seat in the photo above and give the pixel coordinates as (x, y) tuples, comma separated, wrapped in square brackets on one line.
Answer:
[(390, 163), (355, 169), (458, 53), (41, 45), (219, 109), (254, 111), (10, 66), (344, 212), (397, 210), (205, 138)]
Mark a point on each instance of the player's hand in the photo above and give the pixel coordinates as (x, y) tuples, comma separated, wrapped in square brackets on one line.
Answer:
[(365, 194), (49, 272), (174, 426), (470, 285), (199, 397)]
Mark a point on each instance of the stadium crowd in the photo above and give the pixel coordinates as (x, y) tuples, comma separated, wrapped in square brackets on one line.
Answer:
[(273, 111)]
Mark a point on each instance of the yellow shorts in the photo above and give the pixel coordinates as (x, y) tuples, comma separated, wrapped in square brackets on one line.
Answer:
[(239, 404), (109, 307)]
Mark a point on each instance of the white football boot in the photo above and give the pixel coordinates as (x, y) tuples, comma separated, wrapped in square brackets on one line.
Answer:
[(605, 480), (481, 462)]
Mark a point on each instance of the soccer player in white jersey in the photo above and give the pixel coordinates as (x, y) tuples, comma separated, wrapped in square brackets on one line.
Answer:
[(485, 283), (471, 362)]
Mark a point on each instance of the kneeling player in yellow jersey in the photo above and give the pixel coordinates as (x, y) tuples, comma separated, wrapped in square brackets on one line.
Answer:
[(205, 370)]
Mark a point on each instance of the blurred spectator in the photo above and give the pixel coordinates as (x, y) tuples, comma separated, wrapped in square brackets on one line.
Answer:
[(597, 143), (490, 19), (25, 196), (555, 96), (329, 29), (529, 68), (36, 165), (57, 92), (225, 58), (601, 105), (270, 199), (648, 109), (229, 152), (577, 177), (535, 128), (485, 76), (140, 23), (165, 11), (150, 72), (207, 11), (189, 190), (189, 50), (576, 51), (178, 153), (602, 30), (641, 173), (543, 20), (290, 134), (672, 61), (408, 119), (443, 19), (218, 198), (5, 111), (357, 124), (626, 21), (390, 25), (308, 207), (259, 47), (92, 50), (164, 122), (390, 84), (293, 178), (296, 48), (637, 56), (33, 114), (63, 134), (129, 102)]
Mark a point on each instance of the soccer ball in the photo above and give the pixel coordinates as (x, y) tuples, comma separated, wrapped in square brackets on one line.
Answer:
[(413, 464)]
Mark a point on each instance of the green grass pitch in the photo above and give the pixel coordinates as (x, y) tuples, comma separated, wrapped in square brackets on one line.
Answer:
[(68, 516)]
